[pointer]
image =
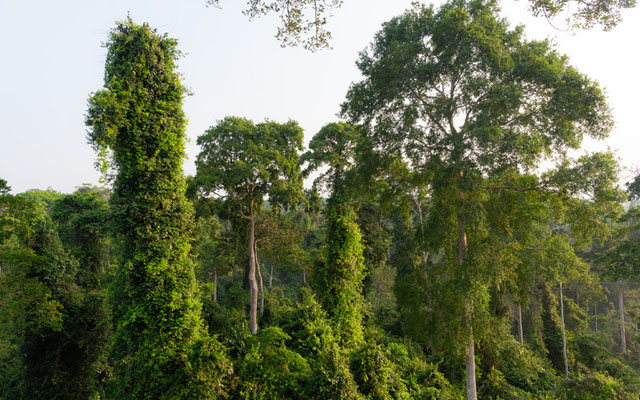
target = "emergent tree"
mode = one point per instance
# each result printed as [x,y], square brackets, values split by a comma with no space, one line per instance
[244,162]
[460,94]
[137,124]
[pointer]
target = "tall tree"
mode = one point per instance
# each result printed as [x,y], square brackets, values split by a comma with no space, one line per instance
[136,122]
[462,95]
[341,277]
[245,162]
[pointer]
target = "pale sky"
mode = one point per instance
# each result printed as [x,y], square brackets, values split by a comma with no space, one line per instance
[52,60]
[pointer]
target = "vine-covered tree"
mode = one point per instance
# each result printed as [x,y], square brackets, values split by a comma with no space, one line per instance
[462,95]
[341,277]
[160,350]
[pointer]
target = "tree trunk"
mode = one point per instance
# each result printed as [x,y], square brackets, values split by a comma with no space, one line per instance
[253,286]
[259,277]
[425,254]
[623,336]
[304,276]
[470,369]
[270,274]
[215,284]
[520,332]
[564,339]
[595,306]
[470,364]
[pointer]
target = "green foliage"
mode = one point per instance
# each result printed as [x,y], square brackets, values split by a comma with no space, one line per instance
[594,386]
[633,188]
[377,377]
[593,351]
[303,22]
[375,243]
[249,161]
[620,257]
[334,146]
[4,187]
[53,334]
[43,200]
[313,337]
[244,162]
[220,319]
[279,238]
[422,379]
[525,370]
[68,362]
[11,378]
[408,288]
[269,370]
[83,222]
[495,387]
[467,101]
[583,14]
[551,327]
[138,119]
[340,280]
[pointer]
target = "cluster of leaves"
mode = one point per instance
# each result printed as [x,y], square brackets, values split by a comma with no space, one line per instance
[302,21]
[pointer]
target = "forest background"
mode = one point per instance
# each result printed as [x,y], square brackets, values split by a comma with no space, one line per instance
[441,239]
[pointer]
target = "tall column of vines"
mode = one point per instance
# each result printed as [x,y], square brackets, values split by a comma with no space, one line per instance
[344,272]
[340,280]
[137,120]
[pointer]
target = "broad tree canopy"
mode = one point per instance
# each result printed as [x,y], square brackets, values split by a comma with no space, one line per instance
[248,161]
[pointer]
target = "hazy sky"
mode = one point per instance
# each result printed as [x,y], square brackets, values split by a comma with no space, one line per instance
[52,60]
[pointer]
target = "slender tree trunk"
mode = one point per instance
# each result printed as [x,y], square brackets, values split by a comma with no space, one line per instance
[425,254]
[470,364]
[215,284]
[623,336]
[564,339]
[253,286]
[270,274]
[470,369]
[520,332]
[595,306]
[304,276]
[259,277]
[470,361]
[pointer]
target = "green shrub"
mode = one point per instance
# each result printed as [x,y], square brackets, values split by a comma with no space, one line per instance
[595,386]
[313,337]
[377,377]
[423,380]
[270,370]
